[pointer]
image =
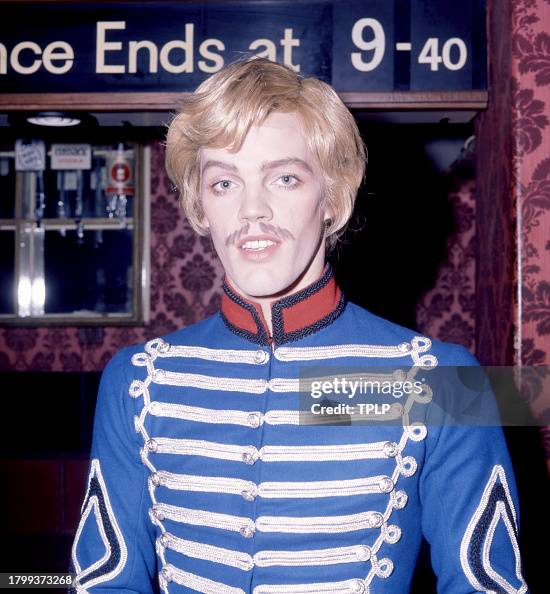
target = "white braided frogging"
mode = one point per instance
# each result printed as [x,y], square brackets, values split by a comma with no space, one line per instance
[413,349]
[404,465]
[282,524]
[245,561]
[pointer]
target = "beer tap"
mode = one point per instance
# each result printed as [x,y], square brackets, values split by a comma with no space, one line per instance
[98,199]
[61,212]
[79,207]
[40,198]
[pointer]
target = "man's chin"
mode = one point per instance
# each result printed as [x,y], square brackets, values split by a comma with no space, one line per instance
[262,285]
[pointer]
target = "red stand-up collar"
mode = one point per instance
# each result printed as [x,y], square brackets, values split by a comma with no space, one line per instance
[293,317]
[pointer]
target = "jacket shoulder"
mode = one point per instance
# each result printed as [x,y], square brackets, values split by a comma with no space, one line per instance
[204,333]
[369,327]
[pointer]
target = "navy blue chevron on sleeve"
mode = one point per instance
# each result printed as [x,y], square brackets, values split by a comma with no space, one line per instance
[495,509]
[99,524]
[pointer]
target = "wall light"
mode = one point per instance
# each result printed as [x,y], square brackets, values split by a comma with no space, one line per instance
[57,119]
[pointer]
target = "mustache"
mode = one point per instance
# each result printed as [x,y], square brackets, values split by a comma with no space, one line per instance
[279,232]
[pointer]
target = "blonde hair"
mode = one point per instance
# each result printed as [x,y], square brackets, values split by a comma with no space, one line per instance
[221,111]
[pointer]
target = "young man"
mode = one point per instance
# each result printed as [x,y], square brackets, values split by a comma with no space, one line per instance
[201,470]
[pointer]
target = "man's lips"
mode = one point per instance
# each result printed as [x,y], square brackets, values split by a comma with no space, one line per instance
[256,243]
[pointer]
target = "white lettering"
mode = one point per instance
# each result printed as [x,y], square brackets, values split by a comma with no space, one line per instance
[208,55]
[3,59]
[377,44]
[102,46]
[376,409]
[51,54]
[270,51]
[288,43]
[14,58]
[135,46]
[186,46]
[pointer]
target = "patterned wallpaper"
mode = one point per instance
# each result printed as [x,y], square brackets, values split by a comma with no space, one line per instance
[530,69]
[531,169]
[447,311]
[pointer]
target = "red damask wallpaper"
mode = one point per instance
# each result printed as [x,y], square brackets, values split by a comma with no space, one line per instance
[530,70]
[447,311]
[531,171]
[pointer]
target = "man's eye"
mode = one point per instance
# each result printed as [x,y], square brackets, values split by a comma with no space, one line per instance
[287,180]
[223,185]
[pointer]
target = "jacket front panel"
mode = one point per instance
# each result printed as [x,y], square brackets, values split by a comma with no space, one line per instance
[217,484]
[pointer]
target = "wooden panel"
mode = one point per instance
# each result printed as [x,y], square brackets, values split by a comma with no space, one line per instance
[167,101]
[495,210]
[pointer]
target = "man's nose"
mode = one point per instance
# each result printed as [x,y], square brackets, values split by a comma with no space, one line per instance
[254,206]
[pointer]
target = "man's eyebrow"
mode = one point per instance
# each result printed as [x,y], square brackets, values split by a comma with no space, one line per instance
[283,162]
[266,166]
[222,164]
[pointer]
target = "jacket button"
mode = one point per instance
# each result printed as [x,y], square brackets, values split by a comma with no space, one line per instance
[398,375]
[155,479]
[376,520]
[405,347]
[249,494]
[166,574]
[154,407]
[386,485]
[358,586]
[396,408]
[363,553]
[260,357]
[248,458]
[390,449]
[152,445]
[247,531]
[164,347]
[157,514]
[254,420]
[159,375]
[249,564]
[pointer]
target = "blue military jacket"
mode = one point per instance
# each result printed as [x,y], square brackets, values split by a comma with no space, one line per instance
[205,478]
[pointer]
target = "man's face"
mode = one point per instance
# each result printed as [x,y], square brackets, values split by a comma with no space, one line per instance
[263,207]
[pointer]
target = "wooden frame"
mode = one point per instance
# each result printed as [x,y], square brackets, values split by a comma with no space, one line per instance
[140,256]
[413,100]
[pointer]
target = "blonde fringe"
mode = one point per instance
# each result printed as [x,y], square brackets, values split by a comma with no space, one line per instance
[222,110]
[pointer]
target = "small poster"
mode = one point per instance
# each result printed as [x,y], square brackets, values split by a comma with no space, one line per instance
[120,173]
[71,156]
[30,155]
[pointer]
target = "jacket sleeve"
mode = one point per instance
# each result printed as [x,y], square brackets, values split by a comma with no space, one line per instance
[469,499]
[114,550]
